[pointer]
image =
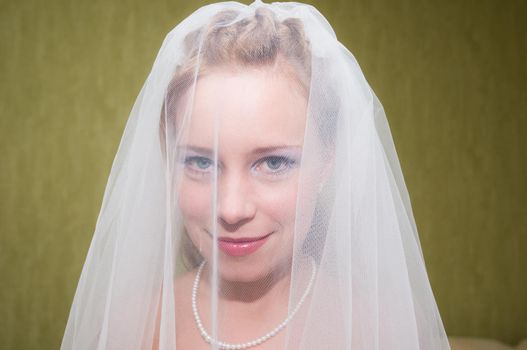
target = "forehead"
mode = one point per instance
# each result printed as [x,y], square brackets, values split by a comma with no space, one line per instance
[245,109]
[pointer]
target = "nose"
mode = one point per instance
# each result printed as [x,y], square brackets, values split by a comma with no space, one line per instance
[234,204]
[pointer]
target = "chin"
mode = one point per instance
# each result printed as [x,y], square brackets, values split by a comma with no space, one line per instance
[244,270]
[250,268]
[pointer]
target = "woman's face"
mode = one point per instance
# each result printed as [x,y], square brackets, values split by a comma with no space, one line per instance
[257,119]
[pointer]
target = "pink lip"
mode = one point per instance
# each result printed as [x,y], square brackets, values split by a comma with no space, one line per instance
[241,246]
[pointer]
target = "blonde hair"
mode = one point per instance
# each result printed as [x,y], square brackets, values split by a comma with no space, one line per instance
[257,41]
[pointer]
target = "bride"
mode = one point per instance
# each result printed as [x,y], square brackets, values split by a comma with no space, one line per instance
[256,201]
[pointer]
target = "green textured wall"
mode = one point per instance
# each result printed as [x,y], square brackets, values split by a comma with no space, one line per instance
[451,75]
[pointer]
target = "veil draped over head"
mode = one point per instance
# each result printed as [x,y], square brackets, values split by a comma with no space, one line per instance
[256,201]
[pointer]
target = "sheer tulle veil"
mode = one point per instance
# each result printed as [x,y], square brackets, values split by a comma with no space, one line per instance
[255,201]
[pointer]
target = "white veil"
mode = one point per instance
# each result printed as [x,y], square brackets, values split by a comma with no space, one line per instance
[218,232]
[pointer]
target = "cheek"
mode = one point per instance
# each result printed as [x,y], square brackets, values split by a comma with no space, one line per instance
[195,204]
[291,209]
[278,203]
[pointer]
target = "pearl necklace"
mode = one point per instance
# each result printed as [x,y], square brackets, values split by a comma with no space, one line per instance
[252,343]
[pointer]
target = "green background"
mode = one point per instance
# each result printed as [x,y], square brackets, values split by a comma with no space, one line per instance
[452,77]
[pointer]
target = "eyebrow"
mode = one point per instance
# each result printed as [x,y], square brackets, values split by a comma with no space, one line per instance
[256,151]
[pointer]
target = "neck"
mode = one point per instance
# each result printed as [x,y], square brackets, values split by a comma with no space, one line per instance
[271,287]
[267,297]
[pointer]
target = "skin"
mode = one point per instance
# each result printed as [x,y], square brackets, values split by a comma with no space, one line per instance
[259,117]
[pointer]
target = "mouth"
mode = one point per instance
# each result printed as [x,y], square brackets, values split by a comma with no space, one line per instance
[241,246]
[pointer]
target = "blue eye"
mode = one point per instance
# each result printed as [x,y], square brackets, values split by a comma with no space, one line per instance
[270,166]
[203,163]
[275,165]
[199,164]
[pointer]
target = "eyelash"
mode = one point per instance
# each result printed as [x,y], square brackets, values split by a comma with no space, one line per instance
[286,163]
